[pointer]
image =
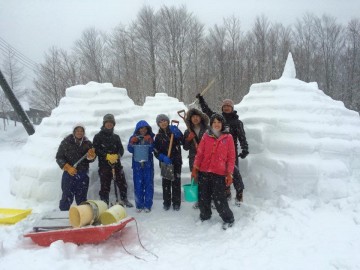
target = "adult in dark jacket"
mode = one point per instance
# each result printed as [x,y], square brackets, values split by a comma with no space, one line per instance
[109,149]
[236,129]
[197,123]
[171,189]
[143,171]
[75,179]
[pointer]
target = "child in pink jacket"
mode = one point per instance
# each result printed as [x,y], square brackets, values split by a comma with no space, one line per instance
[213,167]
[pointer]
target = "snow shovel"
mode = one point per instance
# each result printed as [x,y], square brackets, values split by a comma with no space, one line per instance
[202,93]
[81,159]
[182,114]
[115,187]
[167,170]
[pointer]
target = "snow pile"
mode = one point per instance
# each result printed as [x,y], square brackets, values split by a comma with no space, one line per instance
[37,176]
[303,144]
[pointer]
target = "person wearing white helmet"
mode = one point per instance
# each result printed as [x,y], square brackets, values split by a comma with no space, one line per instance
[75,178]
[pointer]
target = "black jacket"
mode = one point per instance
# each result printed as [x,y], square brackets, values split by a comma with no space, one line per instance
[70,152]
[204,123]
[106,142]
[236,127]
[162,143]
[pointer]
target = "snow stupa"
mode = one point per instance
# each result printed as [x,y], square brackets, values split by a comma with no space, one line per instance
[38,177]
[302,143]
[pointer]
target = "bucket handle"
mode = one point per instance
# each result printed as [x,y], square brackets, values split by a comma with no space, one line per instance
[192,181]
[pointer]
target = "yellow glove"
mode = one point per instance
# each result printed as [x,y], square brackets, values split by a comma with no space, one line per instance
[70,169]
[112,158]
[91,154]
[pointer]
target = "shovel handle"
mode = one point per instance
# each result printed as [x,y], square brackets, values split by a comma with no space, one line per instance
[207,87]
[170,145]
[175,121]
[182,114]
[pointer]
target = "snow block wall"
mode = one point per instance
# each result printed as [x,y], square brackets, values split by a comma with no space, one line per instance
[302,143]
[37,175]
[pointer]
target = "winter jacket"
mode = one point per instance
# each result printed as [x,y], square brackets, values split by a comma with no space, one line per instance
[106,142]
[130,146]
[189,145]
[235,126]
[162,142]
[215,155]
[71,151]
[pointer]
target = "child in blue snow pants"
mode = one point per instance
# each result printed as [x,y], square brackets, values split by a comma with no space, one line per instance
[143,170]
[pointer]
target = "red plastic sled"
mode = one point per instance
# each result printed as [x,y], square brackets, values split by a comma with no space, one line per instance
[85,235]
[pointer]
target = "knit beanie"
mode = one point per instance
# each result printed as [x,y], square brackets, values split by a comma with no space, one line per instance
[109,118]
[162,117]
[227,102]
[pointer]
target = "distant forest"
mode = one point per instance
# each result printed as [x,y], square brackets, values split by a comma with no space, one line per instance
[171,51]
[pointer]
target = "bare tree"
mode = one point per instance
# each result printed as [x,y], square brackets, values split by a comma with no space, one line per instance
[176,47]
[13,73]
[148,36]
[90,49]
[54,76]
[330,39]
[351,59]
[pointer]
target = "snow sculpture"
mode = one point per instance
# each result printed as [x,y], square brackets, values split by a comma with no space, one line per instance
[37,176]
[302,143]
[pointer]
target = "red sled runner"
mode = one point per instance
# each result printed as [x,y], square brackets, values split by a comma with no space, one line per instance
[84,235]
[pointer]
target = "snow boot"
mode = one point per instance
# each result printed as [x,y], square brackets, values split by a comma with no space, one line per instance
[239,198]
[125,202]
[227,225]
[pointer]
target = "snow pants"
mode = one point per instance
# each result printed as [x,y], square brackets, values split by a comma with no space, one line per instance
[73,186]
[106,177]
[143,177]
[212,186]
[172,189]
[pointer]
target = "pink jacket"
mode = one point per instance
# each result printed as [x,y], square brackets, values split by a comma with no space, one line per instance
[216,155]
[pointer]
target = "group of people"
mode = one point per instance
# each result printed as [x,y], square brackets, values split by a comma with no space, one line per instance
[211,139]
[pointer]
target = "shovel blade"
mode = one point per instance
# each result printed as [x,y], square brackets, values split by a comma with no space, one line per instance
[167,171]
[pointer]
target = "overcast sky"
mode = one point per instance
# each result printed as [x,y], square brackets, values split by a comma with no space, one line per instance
[33,26]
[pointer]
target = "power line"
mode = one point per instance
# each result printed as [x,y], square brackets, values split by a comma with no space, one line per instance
[20,53]
[18,57]
[24,60]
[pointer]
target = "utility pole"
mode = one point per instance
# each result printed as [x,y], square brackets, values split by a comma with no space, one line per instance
[16,105]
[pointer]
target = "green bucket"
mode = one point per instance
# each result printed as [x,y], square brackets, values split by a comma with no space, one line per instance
[191,192]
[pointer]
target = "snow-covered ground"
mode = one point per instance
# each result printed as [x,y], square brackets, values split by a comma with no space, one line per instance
[301,208]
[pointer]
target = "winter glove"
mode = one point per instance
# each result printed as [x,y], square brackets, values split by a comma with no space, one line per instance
[134,140]
[190,137]
[91,154]
[243,154]
[165,159]
[194,173]
[112,158]
[148,139]
[228,179]
[70,169]
[176,131]
[200,97]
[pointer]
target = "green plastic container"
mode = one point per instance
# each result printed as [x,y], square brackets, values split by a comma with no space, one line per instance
[191,192]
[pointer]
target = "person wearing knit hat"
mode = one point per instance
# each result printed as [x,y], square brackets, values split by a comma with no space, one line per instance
[162,117]
[171,188]
[109,149]
[75,178]
[109,118]
[236,128]
[227,105]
